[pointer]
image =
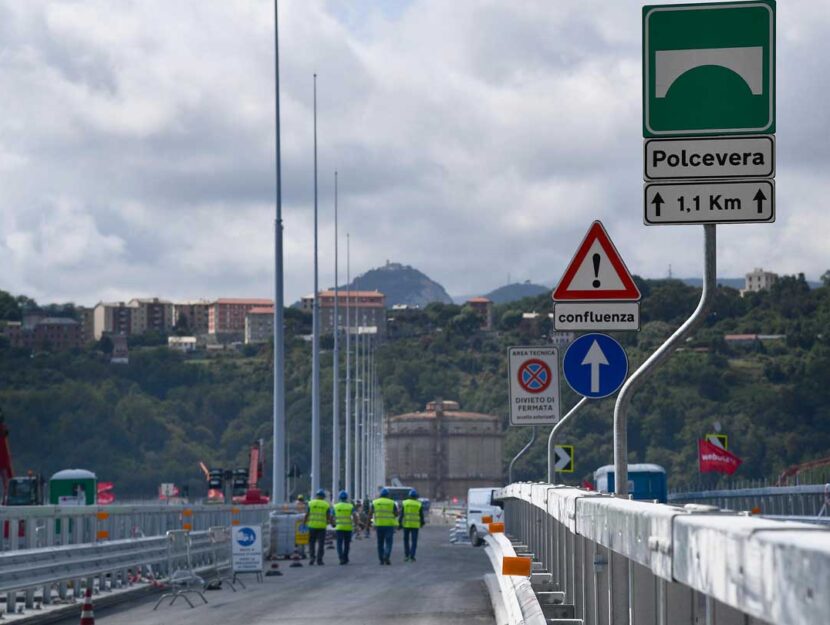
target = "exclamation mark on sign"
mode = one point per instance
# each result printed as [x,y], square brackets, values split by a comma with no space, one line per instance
[596,259]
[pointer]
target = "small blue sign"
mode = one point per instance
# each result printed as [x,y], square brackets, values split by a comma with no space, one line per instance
[595,365]
[245,536]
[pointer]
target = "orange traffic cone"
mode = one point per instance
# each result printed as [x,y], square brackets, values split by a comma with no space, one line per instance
[87,617]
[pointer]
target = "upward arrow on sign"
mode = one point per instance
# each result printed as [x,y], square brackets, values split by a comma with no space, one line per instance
[595,358]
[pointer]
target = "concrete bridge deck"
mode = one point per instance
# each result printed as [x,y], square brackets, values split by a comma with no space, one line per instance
[444,586]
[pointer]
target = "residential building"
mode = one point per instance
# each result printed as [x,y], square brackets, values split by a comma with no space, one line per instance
[112,318]
[259,324]
[759,280]
[561,339]
[366,308]
[226,316]
[86,318]
[192,315]
[150,314]
[484,309]
[48,334]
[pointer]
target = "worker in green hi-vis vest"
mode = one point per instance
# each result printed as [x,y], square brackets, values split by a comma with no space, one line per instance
[344,522]
[411,520]
[317,519]
[384,517]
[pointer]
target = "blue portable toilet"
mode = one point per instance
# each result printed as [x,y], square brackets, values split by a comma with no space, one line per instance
[645,481]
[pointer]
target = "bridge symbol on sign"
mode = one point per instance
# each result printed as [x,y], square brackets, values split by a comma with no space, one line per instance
[534,376]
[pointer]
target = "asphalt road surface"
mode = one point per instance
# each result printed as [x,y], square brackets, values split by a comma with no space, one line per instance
[444,586]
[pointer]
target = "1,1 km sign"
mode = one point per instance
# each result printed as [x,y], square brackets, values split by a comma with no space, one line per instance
[709,202]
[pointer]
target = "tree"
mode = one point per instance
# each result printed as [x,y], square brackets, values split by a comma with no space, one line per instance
[9,308]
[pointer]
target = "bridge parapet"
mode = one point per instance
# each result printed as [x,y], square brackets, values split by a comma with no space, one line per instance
[619,561]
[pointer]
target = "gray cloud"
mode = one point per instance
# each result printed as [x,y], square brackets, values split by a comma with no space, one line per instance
[473,138]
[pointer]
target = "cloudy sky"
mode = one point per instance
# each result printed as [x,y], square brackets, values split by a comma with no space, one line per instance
[474,139]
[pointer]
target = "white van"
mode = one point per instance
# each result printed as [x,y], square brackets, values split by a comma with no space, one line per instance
[480,504]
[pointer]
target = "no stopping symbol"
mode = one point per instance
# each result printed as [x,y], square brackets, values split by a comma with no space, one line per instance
[534,376]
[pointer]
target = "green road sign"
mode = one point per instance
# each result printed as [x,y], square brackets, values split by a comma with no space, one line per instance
[709,69]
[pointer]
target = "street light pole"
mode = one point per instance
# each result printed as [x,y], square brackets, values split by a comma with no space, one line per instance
[279,443]
[335,401]
[347,475]
[315,343]
[357,425]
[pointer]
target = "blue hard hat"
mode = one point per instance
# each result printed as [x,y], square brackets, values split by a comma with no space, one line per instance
[413,493]
[320,493]
[384,492]
[343,495]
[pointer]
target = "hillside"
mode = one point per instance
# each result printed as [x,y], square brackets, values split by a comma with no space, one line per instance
[516,291]
[154,419]
[402,284]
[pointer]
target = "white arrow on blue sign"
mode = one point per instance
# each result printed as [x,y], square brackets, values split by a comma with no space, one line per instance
[595,365]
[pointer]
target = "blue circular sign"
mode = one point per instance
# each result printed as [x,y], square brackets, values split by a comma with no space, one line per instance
[595,365]
[245,536]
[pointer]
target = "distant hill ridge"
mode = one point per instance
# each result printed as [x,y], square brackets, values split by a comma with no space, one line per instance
[402,285]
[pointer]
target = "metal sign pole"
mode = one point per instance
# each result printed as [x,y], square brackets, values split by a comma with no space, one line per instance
[658,357]
[552,445]
[521,453]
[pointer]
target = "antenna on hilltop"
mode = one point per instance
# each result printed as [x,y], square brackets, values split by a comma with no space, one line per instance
[669,271]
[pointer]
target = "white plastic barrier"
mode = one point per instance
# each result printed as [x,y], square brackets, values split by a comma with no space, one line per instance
[623,562]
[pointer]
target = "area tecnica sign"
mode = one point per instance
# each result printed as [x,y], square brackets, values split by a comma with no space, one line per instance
[709,69]
[534,385]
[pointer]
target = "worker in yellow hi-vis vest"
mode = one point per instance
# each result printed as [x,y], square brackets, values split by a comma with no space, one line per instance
[411,520]
[384,514]
[317,518]
[344,522]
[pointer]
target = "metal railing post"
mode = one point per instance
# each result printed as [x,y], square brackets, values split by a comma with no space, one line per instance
[658,357]
[522,451]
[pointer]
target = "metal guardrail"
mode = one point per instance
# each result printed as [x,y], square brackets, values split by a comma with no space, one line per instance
[806,500]
[30,527]
[621,562]
[56,571]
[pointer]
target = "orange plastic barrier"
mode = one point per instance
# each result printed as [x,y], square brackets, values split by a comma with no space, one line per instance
[496,528]
[487,519]
[515,566]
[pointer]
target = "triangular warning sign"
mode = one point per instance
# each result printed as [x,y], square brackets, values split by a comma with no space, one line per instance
[597,272]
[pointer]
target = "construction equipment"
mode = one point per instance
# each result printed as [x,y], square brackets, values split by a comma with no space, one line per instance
[22,490]
[215,484]
[253,495]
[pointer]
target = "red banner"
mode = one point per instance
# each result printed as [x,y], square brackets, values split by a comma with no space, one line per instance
[104,486]
[106,497]
[713,459]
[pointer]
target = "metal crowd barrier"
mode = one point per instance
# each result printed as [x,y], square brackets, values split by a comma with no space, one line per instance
[57,571]
[30,527]
[624,562]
